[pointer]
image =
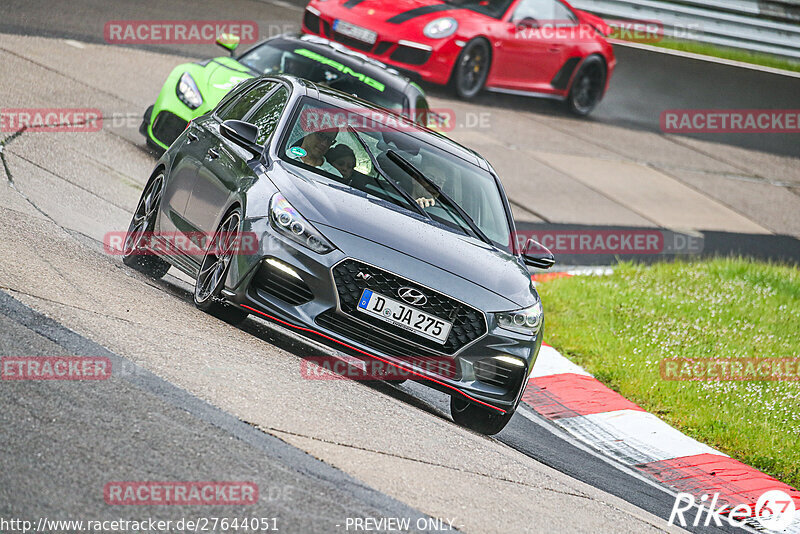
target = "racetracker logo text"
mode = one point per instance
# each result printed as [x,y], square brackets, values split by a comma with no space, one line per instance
[181,243]
[53,120]
[731,369]
[54,368]
[730,121]
[178,31]
[371,120]
[180,493]
[352,368]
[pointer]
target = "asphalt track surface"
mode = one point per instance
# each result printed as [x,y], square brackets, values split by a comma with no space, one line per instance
[163,422]
[644,85]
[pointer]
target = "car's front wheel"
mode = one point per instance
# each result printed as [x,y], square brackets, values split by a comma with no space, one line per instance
[472,69]
[214,269]
[478,418]
[588,86]
[135,252]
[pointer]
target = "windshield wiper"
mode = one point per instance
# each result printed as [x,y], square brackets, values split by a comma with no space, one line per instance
[386,176]
[407,166]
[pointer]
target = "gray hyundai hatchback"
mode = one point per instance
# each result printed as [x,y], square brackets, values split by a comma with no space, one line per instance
[356,227]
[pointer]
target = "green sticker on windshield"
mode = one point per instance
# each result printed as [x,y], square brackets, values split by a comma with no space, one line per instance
[297,151]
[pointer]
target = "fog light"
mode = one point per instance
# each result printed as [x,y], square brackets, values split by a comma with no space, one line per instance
[283,267]
[510,360]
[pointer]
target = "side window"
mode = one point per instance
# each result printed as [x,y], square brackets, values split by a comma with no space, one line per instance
[267,115]
[421,111]
[550,12]
[239,108]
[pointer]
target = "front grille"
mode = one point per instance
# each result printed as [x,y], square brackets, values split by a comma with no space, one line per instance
[352,43]
[410,55]
[167,127]
[397,348]
[311,21]
[383,47]
[497,373]
[282,285]
[326,28]
[468,323]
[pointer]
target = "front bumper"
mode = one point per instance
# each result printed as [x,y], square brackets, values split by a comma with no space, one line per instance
[426,59]
[310,303]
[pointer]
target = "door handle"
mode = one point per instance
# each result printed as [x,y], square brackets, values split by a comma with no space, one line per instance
[212,153]
[192,137]
[555,49]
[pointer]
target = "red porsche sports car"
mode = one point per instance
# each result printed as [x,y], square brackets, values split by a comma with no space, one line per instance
[532,47]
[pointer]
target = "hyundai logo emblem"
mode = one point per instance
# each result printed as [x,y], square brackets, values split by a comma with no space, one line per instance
[412,296]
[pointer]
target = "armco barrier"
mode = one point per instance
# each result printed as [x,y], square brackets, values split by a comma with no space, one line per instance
[767,26]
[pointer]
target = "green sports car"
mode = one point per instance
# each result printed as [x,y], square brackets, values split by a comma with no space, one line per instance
[193,89]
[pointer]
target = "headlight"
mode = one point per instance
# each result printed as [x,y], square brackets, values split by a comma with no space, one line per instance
[440,28]
[527,321]
[188,92]
[288,222]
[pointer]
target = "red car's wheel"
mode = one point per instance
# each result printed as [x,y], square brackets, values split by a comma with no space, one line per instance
[472,68]
[588,86]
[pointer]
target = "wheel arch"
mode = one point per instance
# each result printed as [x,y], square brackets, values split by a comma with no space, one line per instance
[479,37]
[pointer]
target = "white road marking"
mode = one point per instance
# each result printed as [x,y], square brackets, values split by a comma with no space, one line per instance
[75,44]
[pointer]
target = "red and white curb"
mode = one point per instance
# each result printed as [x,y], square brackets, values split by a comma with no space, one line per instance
[573,400]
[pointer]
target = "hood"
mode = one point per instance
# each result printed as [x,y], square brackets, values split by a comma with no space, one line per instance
[339,207]
[222,75]
[405,11]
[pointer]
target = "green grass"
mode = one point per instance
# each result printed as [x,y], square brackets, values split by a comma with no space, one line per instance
[735,54]
[619,327]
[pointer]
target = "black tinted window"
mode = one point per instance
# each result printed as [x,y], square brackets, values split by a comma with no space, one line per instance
[268,114]
[239,108]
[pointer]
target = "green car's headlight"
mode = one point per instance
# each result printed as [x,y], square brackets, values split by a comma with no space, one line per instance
[188,92]
[440,28]
[527,321]
[286,220]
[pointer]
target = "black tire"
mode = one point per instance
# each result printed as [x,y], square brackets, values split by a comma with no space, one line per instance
[213,270]
[477,418]
[135,253]
[587,87]
[471,69]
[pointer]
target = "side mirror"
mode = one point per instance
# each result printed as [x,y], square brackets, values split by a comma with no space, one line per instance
[537,255]
[242,133]
[228,41]
[527,23]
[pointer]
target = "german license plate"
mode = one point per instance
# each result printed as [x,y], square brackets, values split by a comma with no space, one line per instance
[404,316]
[356,32]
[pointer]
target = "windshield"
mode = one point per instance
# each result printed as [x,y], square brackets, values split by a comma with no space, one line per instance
[285,57]
[360,149]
